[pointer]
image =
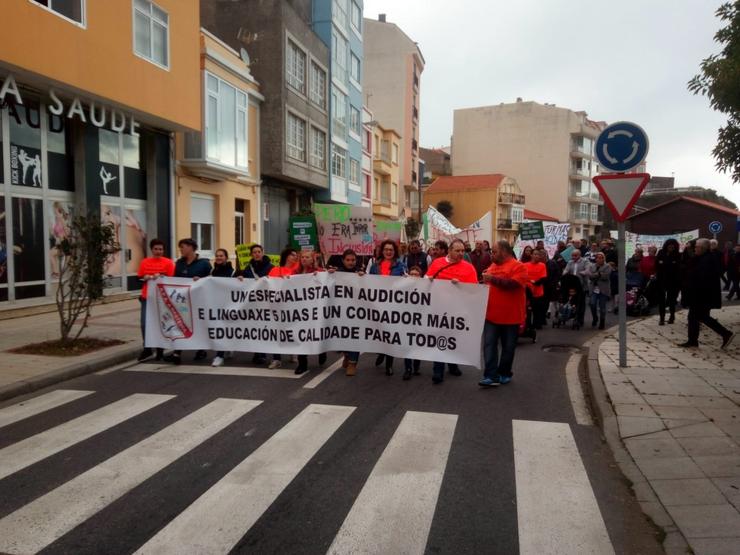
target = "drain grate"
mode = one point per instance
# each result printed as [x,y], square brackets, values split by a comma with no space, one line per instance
[562,348]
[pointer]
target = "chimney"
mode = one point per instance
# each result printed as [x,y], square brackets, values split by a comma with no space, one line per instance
[381,17]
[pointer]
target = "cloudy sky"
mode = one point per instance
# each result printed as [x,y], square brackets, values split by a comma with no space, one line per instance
[627,60]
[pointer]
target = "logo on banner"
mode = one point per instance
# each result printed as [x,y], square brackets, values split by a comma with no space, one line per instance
[175,311]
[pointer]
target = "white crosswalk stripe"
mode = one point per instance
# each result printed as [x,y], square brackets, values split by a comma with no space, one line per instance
[556,508]
[35,448]
[37,405]
[216,521]
[39,523]
[393,513]
[286,373]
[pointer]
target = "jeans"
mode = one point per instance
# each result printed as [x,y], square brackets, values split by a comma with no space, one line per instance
[493,334]
[700,315]
[438,369]
[410,363]
[353,357]
[667,295]
[598,300]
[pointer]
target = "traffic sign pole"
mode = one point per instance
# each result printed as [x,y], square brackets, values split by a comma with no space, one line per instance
[622,301]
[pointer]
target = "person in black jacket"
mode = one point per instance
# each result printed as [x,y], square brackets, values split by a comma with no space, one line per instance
[733,272]
[259,265]
[416,257]
[349,264]
[221,268]
[703,293]
[668,279]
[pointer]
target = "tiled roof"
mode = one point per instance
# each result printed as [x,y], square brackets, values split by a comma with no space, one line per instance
[698,201]
[532,215]
[449,183]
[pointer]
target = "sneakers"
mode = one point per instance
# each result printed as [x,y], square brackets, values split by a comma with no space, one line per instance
[487,382]
[454,370]
[301,369]
[200,355]
[689,344]
[727,340]
[259,359]
[274,364]
[218,361]
[661,322]
[174,358]
[145,354]
[406,374]
[503,380]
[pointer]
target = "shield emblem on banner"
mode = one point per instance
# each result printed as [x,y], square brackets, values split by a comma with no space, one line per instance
[175,311]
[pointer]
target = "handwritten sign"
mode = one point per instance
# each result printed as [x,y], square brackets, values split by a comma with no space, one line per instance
[342,227]
[386,229]
[437,227]
[554,232]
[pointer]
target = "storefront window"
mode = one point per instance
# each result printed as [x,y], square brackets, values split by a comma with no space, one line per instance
[3,253]
[60,218]
[2,155]
[25,145]
[59,156]
[28,247]
[111,215]
[109,183]
[134,178]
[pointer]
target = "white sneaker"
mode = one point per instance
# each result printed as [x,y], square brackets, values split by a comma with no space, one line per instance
[274,364]
[218,361]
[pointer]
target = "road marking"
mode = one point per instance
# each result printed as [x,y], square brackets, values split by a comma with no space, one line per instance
[393,512]
[35,448]
[325,374]
[218,519]
[219,371]
[575,392]
[37,405]
[41,522]
[556,507]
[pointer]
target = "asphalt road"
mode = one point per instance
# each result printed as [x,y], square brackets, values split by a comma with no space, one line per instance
[348,465]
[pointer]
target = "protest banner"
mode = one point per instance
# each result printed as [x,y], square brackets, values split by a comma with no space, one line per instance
[303,236]
[387,229]
[436,227]
[554,232]
[309,314]
[529,231]
[633,240]
[342,227]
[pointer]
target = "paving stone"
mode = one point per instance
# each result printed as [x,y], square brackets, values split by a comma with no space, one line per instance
[669,468]
[718,466]
[641,409]
[683,413]
[657,513]
[644,491]
[730,488]
[668,400]
[653,448]
[706,521]
[695,491]
[630,426]
[715,546]
[705,446]
[732,429]
[699,430]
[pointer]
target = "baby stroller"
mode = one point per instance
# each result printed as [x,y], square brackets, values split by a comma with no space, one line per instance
[526,328]
[637,302]
[570,303]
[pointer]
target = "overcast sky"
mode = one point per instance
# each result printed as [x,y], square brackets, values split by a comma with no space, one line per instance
[627,60]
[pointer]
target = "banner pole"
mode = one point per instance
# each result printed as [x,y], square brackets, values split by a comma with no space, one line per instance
[622,298]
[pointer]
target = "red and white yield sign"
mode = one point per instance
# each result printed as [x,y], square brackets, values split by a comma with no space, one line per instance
[620,191]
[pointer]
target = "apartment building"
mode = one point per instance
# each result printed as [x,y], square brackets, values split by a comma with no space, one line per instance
[339,24]
[549,151]
[393,68]
[217,178]
[386,150]
[91,94]
[366,181]
[291,63]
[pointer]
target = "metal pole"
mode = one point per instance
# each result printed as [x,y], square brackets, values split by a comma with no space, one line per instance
[622,299]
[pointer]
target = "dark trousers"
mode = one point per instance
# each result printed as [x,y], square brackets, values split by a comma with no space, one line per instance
[539,310]
[700,315]
[735,289]
[493,334]
[142,320]
[667,296]
[411,364]
[438,369]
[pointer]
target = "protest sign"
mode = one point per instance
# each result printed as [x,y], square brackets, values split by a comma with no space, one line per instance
[633,240]
[342,227]
[387,229]
[309,314]
[244,256]
[303,235]
[554,232]
[436,227]
[529,231]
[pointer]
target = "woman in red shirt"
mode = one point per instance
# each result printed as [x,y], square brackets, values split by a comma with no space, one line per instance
[150,268]
[307,265]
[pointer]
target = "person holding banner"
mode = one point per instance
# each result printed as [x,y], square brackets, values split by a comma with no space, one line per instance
[456,269]
[221,268]
[507,279]
[154,267]
[288,261]
[259,265]
[387,264]
[349,265]
[307,265]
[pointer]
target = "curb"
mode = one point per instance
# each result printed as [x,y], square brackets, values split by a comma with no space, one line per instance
[674,541]
[69,371]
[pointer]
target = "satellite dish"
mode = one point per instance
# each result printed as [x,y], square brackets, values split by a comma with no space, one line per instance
[244,55]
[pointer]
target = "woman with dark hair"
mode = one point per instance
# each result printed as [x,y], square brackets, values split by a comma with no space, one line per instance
[288,260]
[668,279]
[259,265]
[526,254]
[221,268]
[307,265]
[387,264]
[348,264]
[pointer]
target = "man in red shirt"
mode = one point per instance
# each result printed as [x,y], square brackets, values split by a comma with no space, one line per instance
[537,271]
[454,268]
[154,267]
[508,279]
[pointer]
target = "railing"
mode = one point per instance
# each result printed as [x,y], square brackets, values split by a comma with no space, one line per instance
[505,224]
[414,145]
[510,198]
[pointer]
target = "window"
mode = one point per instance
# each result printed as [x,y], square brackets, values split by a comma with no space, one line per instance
[226,123]
[354,171]
[338,161]
[318,149]
[517,215]
[367,143]
[151,32]
[296,138]
[376,189]
[385,192]
[368,187]
[339,12]
[356,16]
[339,113]
[74,10]
[354,67]
[296,67]
[394,198]
[239,221]
[594,212]
[355,124]
[385,146]
[318,86]
[202,218]
[395,153]
[339,57]
[583,212]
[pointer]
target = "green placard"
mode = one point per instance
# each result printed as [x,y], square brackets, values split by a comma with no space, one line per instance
[529,231]
[303,235]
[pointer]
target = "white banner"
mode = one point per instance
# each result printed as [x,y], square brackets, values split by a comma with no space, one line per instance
[306,314]
[554,232]
[633,240]
[436,227]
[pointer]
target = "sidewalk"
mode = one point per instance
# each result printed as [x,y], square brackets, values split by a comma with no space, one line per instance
[678,415]
[23,373]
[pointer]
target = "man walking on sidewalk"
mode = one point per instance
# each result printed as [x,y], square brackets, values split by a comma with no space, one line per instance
[703,293]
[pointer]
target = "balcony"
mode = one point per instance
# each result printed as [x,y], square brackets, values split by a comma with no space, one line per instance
[414,145]
[382,165]
[510,198]
[505,224]
[415,113]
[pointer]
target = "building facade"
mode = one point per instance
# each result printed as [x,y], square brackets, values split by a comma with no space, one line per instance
[437,162]
[291,64]
[80,134]
[547,149]
[386,173]
[217,191]
[366,182]
[392,86]
[472,196]
[339,24]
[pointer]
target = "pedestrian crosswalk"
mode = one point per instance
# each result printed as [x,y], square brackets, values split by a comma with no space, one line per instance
[393,512]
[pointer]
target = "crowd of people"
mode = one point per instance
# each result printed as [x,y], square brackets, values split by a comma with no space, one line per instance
[523,291]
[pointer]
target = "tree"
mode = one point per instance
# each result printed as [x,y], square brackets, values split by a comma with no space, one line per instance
[719,81]
[445,208]
[83,255]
